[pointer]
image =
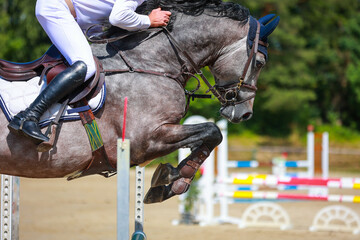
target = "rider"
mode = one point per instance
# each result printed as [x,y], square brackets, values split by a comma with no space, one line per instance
[65,21]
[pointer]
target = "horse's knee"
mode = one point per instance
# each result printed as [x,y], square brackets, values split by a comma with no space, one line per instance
[213,135]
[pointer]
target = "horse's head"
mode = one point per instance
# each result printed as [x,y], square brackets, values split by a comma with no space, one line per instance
[238,67]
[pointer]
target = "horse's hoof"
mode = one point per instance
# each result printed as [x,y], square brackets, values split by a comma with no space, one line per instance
[164,174]
[158,194]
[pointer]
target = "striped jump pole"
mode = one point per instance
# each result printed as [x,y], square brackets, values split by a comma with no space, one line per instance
[277,195]
[243,164]
[294,164]
[271,180]
[255,164]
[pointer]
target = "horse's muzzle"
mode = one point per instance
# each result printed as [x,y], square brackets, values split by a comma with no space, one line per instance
[235,114]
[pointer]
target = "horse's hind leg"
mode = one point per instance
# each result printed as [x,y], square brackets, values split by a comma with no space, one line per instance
[169,181]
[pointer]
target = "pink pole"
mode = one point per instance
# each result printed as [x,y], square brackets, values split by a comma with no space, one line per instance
[302,197]
[124,121]
[308,181]
[279,195]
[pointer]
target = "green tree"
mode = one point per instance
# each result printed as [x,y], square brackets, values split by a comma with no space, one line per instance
[21,36]
[312,73]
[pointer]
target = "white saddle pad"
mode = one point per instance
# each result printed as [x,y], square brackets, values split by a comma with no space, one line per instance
[17,96]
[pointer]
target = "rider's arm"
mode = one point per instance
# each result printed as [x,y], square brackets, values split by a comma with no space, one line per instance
[123,15]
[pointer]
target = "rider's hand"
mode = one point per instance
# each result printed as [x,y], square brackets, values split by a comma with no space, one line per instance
[159,18]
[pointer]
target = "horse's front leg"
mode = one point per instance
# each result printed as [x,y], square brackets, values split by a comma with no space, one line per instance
[168,181]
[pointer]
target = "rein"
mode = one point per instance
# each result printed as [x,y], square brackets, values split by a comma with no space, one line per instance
[227,95]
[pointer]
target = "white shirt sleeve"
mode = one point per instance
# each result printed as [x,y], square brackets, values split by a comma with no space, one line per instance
[123,15]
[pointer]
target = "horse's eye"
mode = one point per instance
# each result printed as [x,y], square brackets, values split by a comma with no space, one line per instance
[259,63]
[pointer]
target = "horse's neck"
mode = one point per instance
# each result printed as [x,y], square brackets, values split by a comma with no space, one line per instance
[205,36]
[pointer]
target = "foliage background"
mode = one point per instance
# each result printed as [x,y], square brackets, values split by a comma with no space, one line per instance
[311,76]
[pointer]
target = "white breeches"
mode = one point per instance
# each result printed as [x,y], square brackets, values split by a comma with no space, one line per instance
[65,33]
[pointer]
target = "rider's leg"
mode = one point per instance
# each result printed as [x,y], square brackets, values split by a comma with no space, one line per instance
[65,33]
[64,83]
[61,27]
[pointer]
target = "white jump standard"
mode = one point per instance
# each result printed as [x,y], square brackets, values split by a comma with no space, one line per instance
[123,190]
[123,195]
[226,189]
[10,199]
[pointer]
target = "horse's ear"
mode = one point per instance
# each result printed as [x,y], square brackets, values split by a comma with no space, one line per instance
[264,20]
[269,28]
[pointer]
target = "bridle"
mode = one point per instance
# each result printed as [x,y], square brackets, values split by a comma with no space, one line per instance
[228,94]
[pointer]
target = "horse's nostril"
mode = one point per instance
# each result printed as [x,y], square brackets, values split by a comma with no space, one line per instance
[247,116]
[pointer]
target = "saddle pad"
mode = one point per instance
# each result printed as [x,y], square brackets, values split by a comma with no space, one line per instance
[17,96]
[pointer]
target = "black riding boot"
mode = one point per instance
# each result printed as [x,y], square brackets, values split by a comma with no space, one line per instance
[27,121]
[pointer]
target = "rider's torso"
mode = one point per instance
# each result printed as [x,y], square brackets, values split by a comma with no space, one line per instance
[90,12]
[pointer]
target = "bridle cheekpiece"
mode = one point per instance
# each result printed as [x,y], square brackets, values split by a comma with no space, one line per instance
[230,92]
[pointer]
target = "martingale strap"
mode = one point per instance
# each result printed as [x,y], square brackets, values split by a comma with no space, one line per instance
[99,163]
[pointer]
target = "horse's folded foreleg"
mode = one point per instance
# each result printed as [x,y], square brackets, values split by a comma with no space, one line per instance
[167,180]
[161,193]
[166,174]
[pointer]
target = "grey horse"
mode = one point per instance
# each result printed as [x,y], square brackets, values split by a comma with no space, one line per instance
[214,34]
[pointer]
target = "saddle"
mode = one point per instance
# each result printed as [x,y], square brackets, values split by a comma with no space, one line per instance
[49,65]
[44,65]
